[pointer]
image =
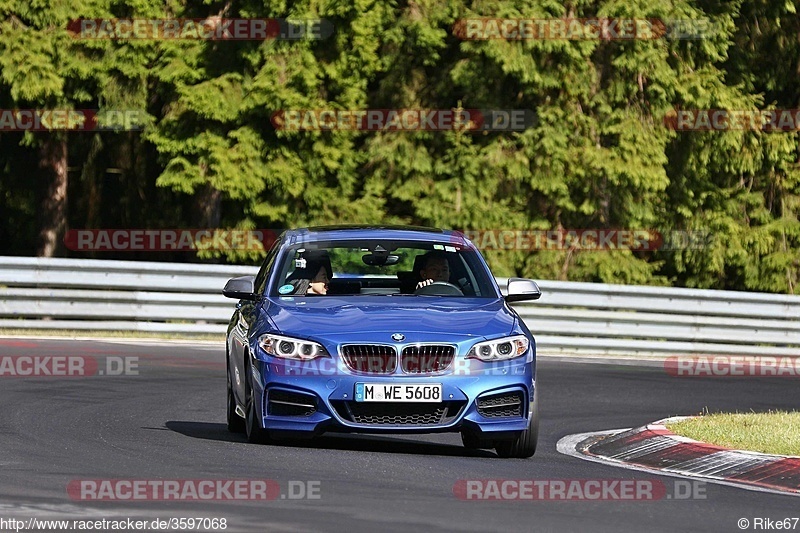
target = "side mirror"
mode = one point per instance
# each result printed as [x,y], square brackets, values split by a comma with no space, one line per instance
[242,288]
[520,289]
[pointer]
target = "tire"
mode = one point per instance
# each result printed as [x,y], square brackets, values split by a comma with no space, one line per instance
[255,433]
[524,445]
[236,423]
[470,440]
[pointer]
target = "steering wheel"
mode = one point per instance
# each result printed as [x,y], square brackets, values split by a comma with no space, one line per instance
[439,288]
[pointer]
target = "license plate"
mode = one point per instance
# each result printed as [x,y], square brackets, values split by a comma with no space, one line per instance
[387,392]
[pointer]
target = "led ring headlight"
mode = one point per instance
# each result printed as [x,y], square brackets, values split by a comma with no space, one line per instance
[290,348]
[500,349]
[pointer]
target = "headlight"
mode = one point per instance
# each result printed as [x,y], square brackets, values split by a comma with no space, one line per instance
[500,349]
[289,348]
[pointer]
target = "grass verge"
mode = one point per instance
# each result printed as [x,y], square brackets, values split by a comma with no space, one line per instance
[775,432]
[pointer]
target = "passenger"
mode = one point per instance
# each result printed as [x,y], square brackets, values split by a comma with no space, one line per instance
[314,277]
[435,267]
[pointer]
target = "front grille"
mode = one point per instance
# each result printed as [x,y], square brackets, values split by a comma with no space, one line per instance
[370,358]
[427,358]
[285,403]
[509,404]
[399,413]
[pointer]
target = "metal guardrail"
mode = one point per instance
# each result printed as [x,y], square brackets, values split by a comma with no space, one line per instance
[601,318]
[81,295]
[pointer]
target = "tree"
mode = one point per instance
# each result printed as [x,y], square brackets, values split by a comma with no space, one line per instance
[45,67]
[598,156]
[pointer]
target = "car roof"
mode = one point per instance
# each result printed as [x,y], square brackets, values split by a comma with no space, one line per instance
[378,231]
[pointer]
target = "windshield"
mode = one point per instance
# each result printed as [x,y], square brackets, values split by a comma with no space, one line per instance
[382,267]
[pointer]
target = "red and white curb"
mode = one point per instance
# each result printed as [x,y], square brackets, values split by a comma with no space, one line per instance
[653,448]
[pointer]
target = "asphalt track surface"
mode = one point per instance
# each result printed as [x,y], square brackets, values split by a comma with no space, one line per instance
[168,422]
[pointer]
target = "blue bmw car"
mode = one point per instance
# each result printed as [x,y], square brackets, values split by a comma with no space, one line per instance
[381,329]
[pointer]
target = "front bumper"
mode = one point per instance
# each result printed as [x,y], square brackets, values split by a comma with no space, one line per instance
[310,398]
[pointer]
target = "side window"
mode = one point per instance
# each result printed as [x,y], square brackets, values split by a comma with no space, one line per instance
[263,273]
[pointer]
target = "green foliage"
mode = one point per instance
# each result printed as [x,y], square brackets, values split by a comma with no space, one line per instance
[599,155]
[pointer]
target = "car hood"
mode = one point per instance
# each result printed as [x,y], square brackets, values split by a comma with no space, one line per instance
[378,317]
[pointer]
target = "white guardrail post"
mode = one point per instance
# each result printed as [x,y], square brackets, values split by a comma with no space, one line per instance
[570,318]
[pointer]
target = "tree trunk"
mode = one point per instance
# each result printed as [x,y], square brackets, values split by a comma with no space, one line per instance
[53,207]
[208,204]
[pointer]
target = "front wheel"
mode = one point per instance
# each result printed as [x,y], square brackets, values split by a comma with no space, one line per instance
[255,433]
[524,445]
[236,423]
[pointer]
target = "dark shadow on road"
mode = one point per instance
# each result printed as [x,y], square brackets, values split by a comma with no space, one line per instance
[350,442]
[204,430]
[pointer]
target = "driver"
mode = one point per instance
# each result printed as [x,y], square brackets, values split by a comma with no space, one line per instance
[435,267]
[314,276]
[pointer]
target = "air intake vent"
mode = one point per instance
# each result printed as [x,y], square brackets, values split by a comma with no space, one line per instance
[506,405]
[285,403]
[399,414]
